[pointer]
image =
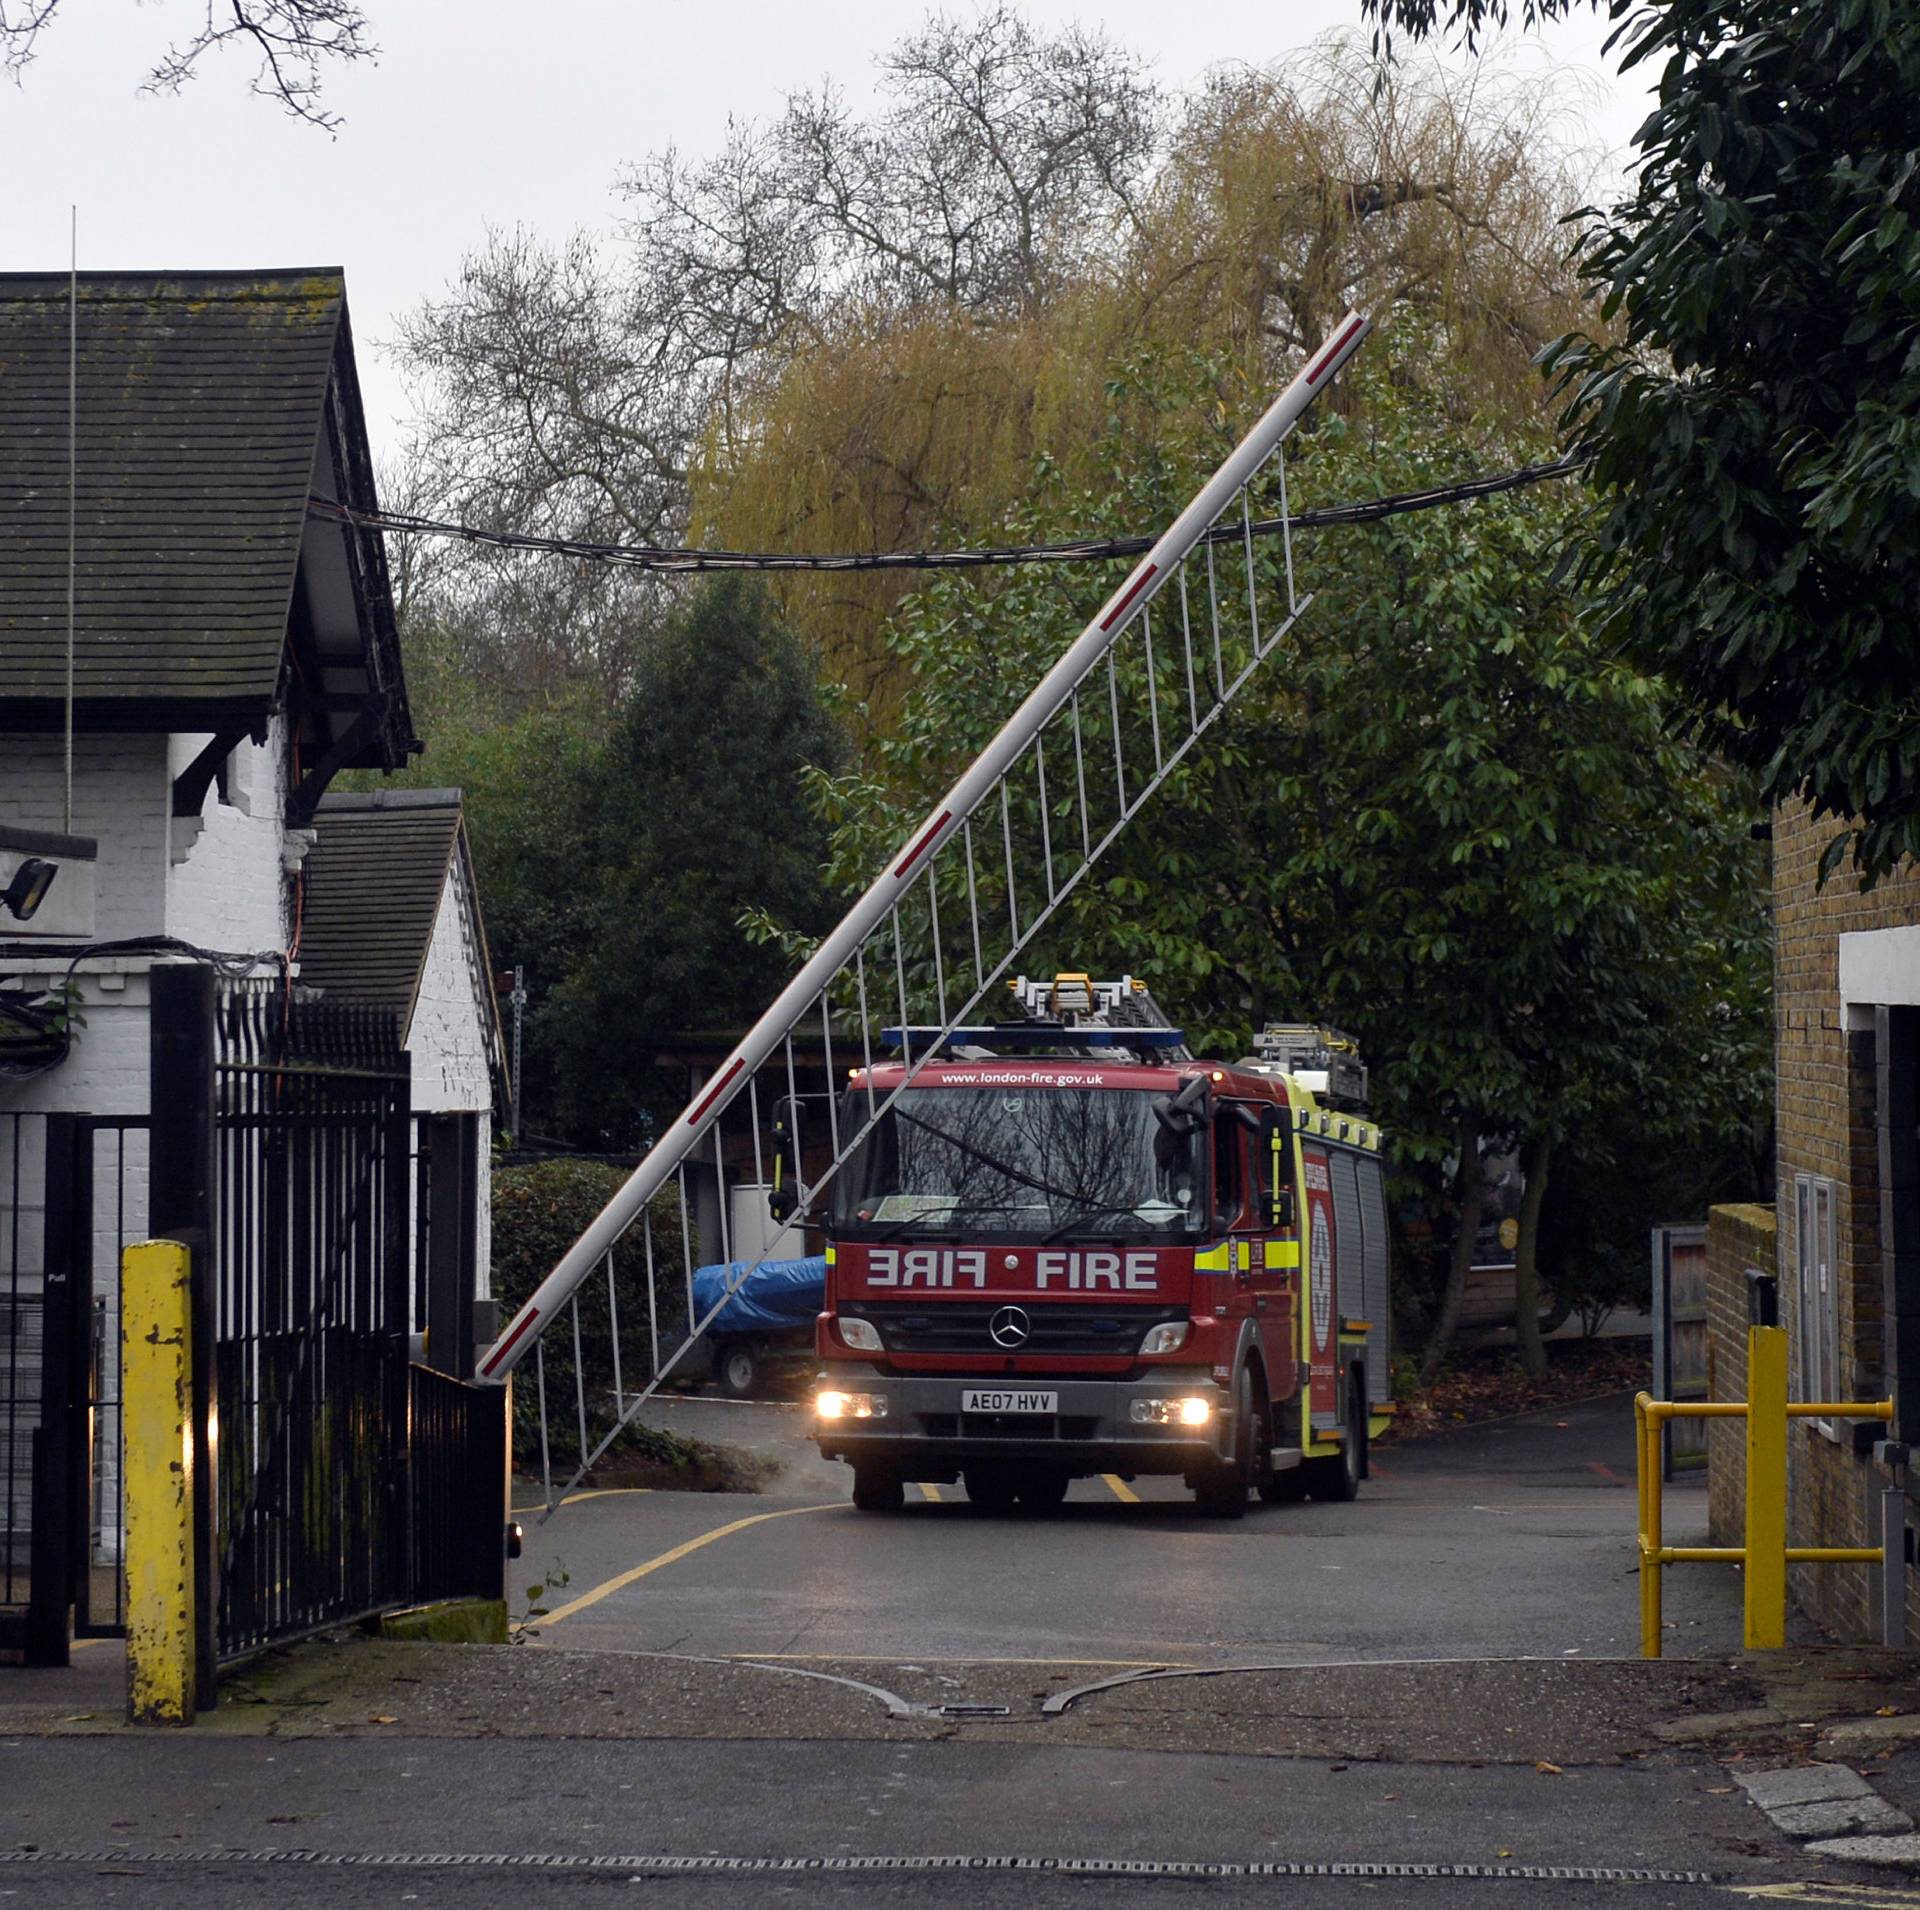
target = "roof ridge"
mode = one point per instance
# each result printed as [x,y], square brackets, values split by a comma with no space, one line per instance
[338,802]
[238,278]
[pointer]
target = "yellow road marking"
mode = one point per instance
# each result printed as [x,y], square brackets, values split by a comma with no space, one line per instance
[932,1492]
[1863,1896]
[639,1572]
[597,1492]
[87,1644]
[920,1658]
[1120,1489]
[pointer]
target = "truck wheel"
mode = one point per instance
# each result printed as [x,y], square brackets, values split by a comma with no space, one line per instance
[878,1489]
[1222,1489]
[1338,1478]
[739,1369]
[992,1488]
[1042,1488]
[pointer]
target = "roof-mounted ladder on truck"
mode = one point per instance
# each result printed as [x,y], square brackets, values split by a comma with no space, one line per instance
[941,926]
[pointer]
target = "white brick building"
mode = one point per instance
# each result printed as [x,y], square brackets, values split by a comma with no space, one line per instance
[167,741]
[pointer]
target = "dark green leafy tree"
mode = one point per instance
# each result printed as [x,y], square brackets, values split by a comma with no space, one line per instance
[691,811]
[1753,416]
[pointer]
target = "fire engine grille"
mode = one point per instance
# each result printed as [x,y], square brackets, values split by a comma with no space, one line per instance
[1062,1327]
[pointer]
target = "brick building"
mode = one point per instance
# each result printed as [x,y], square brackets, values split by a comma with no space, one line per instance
[1845,1238]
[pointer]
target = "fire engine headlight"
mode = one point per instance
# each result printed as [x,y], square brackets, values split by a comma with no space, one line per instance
[1169,1337]
[861,1335]
[1191,1411]
[837,1405]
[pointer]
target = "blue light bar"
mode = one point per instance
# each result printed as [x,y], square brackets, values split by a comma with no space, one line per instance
[1033,1036]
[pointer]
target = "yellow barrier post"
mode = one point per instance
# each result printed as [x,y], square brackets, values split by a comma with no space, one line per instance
[1643,1425]
[156,1346]
[1766,1564]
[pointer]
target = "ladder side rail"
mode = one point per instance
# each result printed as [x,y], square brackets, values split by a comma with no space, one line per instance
[1098,640]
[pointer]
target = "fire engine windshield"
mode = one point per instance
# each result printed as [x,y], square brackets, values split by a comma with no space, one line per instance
[1024,1163]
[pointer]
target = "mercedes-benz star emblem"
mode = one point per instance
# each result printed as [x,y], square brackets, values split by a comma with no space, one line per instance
[1009,1327]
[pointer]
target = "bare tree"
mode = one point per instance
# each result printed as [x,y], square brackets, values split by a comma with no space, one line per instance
[573,388]
[295,41]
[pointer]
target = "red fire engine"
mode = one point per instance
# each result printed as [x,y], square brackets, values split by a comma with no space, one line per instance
[1067,1247]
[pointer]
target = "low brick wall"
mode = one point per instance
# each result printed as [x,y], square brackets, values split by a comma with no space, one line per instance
[1737,1238]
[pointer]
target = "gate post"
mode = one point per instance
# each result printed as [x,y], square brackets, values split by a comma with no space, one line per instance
[453,1192]
[180,1208]
[59,1479]
[1766,1562]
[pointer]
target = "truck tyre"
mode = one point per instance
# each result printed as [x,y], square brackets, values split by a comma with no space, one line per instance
[738,1366]
[1339,1478]
[1222,1489]
[878,1489]
[991,1487]
[1042,1488]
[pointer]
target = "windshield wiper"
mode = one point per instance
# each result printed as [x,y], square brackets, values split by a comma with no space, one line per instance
[1018,1176]
[1090,1213]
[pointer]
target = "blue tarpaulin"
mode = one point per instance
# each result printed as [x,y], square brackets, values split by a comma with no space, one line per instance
[776,1295]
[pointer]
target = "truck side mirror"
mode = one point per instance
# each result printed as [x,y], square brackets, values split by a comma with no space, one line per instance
[1191,1108]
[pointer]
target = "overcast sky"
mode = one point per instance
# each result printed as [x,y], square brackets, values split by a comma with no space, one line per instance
[474,115]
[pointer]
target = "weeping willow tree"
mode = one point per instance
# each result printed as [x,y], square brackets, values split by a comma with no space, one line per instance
[1280,197]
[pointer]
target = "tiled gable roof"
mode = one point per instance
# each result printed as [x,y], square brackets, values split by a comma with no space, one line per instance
[200,400]
[374,879]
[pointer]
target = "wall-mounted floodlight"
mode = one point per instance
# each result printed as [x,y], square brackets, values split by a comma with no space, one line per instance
[28,889]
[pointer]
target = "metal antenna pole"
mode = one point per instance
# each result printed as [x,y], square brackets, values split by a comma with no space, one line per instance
[73,474]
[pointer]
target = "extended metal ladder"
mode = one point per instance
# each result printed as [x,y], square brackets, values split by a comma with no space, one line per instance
[945,921]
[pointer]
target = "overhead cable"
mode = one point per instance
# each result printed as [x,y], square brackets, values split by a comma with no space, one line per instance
[671,557]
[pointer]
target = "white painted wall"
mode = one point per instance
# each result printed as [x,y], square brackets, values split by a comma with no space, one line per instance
[448,1044]
[227,887]
[1881,965]
[120,796]
[448,1038]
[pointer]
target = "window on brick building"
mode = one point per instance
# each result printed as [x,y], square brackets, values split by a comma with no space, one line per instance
[1817,1290]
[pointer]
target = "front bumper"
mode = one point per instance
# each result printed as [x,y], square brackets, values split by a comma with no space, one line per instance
[1093,1430]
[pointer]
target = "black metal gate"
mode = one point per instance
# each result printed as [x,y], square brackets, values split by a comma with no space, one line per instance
[337,1478]
[312,1223]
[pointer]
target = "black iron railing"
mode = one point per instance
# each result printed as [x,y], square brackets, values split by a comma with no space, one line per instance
[459,1448]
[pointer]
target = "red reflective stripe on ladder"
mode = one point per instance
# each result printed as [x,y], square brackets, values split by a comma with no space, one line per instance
[713,1093]
[507,1345]
[914,854]
[1133,590]
[1332,352]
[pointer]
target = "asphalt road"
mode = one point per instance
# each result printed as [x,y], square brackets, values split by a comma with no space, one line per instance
[551,1777]
[1509,1540]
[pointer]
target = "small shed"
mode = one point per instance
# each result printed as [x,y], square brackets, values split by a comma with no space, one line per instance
[392,917]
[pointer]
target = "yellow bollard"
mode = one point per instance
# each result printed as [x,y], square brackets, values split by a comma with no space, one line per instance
[1766,1564]
[1646,1433]
[156,1349]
